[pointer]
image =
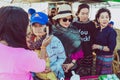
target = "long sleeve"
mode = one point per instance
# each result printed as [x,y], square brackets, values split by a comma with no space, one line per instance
[106,37]
[112,40]
[57,56]
[34,64]
[61,57]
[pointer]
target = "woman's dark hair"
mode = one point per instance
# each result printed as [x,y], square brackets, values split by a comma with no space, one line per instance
[81,6]
[13,26]
[101,10]
[50,27]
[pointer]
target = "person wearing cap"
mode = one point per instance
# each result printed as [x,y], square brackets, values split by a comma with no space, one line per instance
[111,24]
[16,60]
[48,45]
[69,37]
[87,31]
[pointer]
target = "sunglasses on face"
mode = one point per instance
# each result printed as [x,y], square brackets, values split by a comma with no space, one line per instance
[52,12]
[65,20]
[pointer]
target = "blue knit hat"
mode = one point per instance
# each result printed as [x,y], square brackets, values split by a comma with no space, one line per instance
[31,11]
[39,17]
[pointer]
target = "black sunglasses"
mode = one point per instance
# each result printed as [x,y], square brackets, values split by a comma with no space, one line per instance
[65,20]
[52,11]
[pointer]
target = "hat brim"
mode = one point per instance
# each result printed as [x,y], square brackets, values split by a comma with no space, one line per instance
[42,22]
[61,16]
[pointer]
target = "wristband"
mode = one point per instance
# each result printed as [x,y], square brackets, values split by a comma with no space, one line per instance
[101,47]
[73,63]
[43,47]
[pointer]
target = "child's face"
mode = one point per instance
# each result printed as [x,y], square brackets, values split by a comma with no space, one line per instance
[38,29]
[104,19]
[84,14]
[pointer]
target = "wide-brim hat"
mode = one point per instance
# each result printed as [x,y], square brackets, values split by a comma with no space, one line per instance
[39,17]
[64,10]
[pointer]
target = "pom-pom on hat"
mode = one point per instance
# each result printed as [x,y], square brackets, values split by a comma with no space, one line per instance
[31,11]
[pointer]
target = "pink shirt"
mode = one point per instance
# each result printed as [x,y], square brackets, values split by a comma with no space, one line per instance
[17,63]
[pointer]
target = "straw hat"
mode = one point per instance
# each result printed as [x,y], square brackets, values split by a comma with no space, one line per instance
[63,11]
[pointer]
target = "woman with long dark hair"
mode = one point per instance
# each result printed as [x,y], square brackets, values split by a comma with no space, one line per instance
[16,61]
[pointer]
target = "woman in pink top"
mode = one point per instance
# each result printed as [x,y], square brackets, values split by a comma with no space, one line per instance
[16,61]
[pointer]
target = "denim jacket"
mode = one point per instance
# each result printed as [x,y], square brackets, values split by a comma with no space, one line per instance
[57,56]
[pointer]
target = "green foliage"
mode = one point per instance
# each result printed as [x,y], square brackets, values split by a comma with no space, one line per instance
[113,0]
